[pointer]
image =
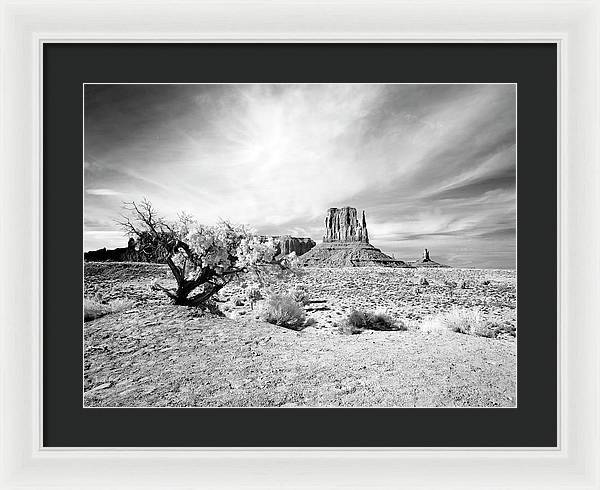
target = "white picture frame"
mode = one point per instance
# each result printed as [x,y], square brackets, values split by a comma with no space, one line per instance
[573,25]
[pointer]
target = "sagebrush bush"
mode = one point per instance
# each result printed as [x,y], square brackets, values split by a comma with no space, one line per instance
[253,294]
[465,321]
[346,328]
[300,295]
[93,309]
[360,320]
[283,310]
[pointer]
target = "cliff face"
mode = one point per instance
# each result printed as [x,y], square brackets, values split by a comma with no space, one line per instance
[343,225]
[287,244]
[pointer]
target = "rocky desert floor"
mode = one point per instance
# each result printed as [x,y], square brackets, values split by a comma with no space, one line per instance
[155,354]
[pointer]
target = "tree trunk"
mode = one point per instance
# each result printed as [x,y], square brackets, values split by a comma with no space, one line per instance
[184,288]
[201,298]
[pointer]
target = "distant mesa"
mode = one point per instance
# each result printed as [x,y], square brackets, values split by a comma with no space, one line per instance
[426,261]
[286,244]
[346,243]
[123,254]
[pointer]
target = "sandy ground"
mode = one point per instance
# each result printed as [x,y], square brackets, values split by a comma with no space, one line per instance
[154,354]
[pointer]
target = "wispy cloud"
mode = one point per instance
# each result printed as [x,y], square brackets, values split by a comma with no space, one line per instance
[431,164]
[102,192]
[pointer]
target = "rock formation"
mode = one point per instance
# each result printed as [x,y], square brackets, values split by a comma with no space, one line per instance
[286,244]
[346,243]
[342,225]
[426,261]
[123,254]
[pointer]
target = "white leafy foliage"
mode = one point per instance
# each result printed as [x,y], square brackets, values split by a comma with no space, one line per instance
[253,250]
[224,246]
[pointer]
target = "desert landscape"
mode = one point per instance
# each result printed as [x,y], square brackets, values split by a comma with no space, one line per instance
[451,342]
[299,245]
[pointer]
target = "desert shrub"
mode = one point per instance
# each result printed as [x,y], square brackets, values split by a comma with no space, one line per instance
[505,330]
[346,328]
[383,321]
[309,322]
[300,295]
[357,319]
[464,284]
[360,320]
[462,320]
[486,282]
[93,309]
[469,322]
[423,281]
[283,310]
[483,329]
[253,294]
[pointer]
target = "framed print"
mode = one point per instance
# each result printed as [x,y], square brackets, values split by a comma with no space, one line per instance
[281,281]
[326,257]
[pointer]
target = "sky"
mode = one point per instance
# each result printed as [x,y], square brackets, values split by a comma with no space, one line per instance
[433,166]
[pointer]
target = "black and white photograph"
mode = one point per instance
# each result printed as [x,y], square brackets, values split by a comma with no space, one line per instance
[299,245]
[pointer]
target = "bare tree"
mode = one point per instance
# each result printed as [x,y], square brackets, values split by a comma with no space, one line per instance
[202,259]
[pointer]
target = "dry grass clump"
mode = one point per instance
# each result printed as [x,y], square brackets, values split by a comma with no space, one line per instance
[359,321]
[283,310]
[346,328]
[93,308]
[253,294]
[300,295]
[465,321]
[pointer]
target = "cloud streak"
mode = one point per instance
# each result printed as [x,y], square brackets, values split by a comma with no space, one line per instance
[433,165]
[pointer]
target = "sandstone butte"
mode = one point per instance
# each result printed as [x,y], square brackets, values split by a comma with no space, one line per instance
[346,243]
